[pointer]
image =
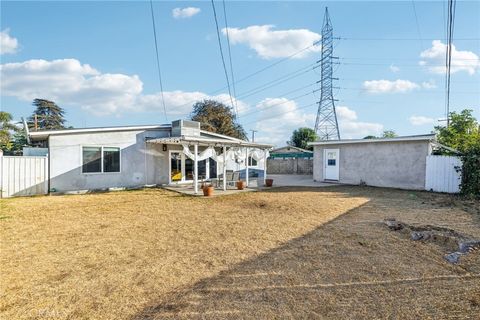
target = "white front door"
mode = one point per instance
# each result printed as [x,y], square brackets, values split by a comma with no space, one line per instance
[331,159]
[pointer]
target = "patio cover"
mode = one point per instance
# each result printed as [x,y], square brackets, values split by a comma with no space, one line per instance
[196,141]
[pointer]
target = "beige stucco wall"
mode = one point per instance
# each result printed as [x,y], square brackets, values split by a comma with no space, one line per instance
[399,164]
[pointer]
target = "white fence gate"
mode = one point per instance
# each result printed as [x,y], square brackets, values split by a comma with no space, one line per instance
[23,176]
[441,175]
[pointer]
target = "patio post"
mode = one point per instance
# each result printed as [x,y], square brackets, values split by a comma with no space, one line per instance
[195,168]
[246,166]
[264,167]
[224,168]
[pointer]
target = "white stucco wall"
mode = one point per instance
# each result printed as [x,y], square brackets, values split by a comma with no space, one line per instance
[140,163]
[137,166]
[399,164]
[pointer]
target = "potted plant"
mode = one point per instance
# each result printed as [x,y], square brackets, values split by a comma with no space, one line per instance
[207,190]
[241,184]
[268,182]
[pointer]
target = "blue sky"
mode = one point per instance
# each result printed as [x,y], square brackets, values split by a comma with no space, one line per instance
[97,60]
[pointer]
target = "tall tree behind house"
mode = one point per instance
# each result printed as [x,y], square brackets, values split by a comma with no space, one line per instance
[47,116]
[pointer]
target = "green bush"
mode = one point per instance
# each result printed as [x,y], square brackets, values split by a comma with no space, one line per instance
[470,185]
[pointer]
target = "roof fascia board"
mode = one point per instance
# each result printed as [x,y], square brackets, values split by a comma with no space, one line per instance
[356,141]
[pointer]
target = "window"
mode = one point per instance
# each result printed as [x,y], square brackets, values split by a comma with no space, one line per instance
[92,159]
[332,162]
[100,159]
[252,162]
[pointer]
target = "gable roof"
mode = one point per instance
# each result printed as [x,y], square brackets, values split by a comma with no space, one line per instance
[422,137]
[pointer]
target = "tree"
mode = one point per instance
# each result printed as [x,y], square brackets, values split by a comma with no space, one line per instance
[385,134]
[462,133]
[6,129]
[48,114]
[389,134]
[216,117]
[301,137]
[19,140]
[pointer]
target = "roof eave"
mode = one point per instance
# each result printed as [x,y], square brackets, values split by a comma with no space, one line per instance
[430,137]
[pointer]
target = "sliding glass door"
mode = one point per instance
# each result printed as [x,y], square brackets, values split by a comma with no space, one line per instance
[182,168]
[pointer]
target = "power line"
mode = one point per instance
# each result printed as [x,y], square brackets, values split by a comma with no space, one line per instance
[265,86]
[418,25]
[230,55]
[282,113]
[448,55]
[401,39]
[281,103]
[223,58]
[158,62]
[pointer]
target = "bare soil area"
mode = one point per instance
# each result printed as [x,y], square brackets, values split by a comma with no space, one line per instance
[284,253]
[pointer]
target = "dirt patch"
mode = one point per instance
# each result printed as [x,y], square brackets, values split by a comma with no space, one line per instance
[285,253]
[457,244]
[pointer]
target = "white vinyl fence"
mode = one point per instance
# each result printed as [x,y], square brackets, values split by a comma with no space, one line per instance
[441,175]
[23,176]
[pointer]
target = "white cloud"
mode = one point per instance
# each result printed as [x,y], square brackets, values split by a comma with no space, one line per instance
[278,118]
[8,44]
[179,13]
[434,59]
[70,83]
[351,128]
[429,84]
[387,86]
[271,44]
[394,68]
[420,120]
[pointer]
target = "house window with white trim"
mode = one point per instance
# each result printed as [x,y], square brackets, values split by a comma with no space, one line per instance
[252,162]
[100,159]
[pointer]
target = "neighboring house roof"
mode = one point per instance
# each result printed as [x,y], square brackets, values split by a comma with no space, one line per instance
[288,149]
[423,137]
[44,134]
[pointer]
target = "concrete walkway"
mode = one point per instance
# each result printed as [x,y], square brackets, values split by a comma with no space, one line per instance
[296,180]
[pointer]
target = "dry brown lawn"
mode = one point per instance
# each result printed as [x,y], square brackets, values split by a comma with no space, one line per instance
[286,253]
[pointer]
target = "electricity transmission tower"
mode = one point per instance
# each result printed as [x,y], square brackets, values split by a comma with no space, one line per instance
[326,125]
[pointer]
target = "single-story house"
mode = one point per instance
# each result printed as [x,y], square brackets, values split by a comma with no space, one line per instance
[131,156]
[390,162]
[290,152]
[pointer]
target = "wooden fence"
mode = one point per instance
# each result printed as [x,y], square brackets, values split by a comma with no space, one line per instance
[442,174]
[23,176]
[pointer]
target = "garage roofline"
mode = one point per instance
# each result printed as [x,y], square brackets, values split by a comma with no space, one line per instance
[423,137]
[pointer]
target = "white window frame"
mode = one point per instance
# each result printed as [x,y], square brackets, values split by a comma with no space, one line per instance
[101,159]
[250,165]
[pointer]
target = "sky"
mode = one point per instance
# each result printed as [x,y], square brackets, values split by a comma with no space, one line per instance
[97,61]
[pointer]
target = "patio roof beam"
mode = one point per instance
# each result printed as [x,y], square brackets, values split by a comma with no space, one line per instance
[208,142]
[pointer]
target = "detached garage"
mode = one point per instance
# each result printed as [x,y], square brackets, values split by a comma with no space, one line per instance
[392,162]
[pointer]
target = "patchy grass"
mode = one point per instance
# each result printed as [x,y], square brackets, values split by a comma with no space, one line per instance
[284,253]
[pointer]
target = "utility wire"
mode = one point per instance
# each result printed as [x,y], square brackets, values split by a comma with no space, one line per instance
[257,88]
[281,114]
[223,58]
[401,39]
[282,103]
[158,62]
[230,55]
[448,55]
[418,25]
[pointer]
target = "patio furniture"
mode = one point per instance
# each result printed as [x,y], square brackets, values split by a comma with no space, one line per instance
[231,177]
